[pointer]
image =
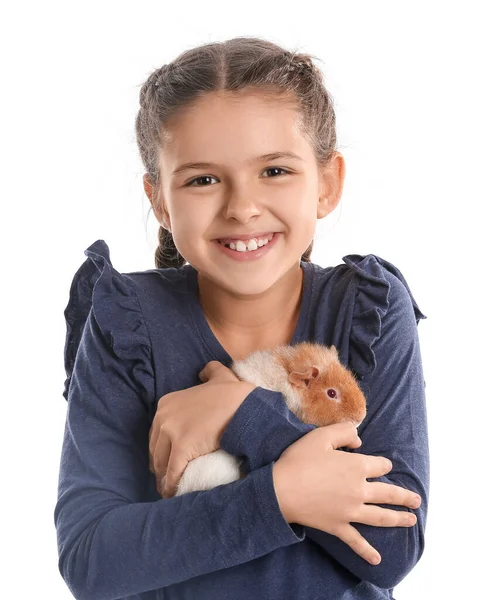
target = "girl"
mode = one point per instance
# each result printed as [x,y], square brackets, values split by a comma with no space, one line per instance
[234,275]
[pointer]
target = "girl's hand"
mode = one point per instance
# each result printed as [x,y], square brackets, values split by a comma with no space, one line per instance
[189,423]
[321,487]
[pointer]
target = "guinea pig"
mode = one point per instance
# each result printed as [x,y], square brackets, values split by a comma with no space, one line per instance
[316,387]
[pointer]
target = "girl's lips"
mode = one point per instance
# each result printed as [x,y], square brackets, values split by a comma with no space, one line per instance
[248,254]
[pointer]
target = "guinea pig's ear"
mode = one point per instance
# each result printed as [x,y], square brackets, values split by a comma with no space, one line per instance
[303,379]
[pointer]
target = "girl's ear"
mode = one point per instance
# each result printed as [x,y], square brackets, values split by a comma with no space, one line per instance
[331,184]
[158,206]
[303,379]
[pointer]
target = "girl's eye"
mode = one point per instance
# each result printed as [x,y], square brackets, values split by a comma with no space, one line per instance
[201,177]
[277,169]
[189,184]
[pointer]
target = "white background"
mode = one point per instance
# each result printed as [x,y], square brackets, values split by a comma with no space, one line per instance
[408,83]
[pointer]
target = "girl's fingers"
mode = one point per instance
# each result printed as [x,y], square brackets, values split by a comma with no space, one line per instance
[209,370]
[377,466]
[339,435]
[153,438]
[385,517]
[175,469]
[352,537]
[378,492]
[216,369]
[152,444]
[161,454]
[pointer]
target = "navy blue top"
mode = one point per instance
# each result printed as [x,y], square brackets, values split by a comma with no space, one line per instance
[133,337]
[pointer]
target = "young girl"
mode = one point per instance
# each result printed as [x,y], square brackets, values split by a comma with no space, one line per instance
[239,145]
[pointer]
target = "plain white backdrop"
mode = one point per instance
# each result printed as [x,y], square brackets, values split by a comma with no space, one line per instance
[407,79]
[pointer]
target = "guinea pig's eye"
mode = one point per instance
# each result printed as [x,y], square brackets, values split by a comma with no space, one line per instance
[331,393]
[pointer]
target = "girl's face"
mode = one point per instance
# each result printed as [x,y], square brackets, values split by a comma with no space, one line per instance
[238,193]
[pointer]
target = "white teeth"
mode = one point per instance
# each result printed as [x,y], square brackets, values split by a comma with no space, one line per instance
[250,245]
[240,246]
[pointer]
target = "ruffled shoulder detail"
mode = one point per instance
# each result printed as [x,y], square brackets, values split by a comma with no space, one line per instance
[371,302]
[116,308]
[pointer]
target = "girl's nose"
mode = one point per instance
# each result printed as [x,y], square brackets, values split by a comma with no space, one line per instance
[241,206]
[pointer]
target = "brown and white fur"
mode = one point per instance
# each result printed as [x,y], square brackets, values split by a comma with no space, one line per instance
[316,387]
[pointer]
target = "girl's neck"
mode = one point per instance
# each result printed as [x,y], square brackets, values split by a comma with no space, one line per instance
[268,320]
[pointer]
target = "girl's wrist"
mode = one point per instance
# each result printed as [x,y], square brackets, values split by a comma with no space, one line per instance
[241,391]
[234,398]
[245,388]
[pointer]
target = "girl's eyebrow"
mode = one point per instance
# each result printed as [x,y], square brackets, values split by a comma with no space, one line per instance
[263,157]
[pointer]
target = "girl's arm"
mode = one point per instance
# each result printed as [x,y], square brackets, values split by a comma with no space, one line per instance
[112,542]
[395,427]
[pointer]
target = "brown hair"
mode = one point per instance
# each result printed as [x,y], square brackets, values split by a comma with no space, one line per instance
[231,65]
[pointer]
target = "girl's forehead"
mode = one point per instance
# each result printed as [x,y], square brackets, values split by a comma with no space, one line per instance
[216,112]
[215,125]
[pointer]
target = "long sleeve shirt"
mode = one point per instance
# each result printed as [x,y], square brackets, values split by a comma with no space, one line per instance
[134,337]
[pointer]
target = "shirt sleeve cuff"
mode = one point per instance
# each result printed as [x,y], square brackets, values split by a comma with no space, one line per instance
[269,508]
[261,429]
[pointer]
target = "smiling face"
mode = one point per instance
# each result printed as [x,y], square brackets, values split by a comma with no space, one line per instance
[238,193]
